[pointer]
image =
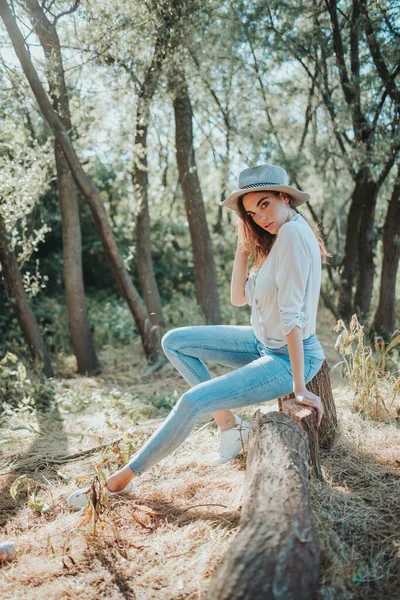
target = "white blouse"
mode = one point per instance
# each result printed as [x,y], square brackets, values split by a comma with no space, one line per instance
[284,291]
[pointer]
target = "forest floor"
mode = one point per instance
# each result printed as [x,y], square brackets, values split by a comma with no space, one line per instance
[166,541]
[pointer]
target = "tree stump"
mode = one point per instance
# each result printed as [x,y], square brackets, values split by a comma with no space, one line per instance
[307,418]
[320,385]
[275,554]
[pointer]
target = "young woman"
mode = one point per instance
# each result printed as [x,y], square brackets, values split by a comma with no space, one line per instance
[278,354]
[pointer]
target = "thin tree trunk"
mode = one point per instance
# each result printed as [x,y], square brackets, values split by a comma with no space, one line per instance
[78,321]
[224,177]
[147,278]
[17,296]
[384,322]
[81,336]
[204,266]
[349,263]
[149,336]
[366,267]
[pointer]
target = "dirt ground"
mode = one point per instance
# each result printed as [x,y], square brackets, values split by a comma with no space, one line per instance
[166,541]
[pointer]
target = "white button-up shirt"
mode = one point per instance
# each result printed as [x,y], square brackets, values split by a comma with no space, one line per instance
[284,291]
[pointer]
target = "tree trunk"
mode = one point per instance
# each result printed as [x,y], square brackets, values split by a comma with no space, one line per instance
[204,265]
[81,336]
[366,268]
[149,335]
[384,322]
[16,294]
[78,321]
[349,263]
[147,278]
[275,554]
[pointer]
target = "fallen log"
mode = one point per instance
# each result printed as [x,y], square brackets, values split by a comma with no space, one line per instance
[321,386]
[274,556]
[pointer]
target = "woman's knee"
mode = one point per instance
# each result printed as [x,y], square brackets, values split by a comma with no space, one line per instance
[174,338]
[170,339]
[188,405]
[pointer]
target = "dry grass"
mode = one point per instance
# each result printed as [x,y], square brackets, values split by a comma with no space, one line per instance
[357,509]
[171,549]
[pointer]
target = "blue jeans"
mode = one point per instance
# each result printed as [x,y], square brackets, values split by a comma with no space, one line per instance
[260,375]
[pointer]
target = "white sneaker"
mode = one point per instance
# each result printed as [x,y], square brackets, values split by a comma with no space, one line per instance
[80,498]
[231,441]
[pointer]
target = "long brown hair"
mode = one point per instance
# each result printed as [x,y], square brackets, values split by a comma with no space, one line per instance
[258,242]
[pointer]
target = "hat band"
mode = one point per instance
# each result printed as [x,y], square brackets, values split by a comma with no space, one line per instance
[253,185]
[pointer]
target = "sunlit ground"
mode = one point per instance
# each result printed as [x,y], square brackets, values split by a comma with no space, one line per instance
[168,539]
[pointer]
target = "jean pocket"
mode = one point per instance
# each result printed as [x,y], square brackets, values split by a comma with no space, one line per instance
[313,365]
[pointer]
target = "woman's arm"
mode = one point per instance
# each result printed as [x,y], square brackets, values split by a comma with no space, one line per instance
[296,354]
[239,276]
[291,279]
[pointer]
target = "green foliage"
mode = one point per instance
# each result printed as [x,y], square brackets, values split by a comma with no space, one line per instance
[21,389]
[34,502]
[172,259]
[11,338]
[52,319]
[183,310]
[25,165]
[111,320]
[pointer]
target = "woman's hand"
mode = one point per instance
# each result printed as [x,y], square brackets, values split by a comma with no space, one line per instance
[307,398]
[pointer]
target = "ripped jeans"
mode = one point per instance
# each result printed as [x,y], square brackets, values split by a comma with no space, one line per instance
[260,375]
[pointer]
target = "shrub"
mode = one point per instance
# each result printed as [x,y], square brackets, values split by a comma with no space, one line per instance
[20,389]
[374,376]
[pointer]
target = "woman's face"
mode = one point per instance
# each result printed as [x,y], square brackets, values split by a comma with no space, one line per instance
[267,210]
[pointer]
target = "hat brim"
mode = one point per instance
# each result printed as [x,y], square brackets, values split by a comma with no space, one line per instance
[298,197]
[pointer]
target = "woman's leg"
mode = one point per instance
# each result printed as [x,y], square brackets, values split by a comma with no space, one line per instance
[188,347]
[230,345]
[264,379]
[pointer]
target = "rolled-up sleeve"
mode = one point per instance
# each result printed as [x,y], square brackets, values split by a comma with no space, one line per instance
[249,286]
[293,268]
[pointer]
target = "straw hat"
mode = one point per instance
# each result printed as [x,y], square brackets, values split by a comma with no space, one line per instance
[261,178]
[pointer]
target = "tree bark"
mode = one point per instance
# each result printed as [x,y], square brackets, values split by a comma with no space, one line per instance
[147,278]
[17,296]
[275,554]
[307,418]
[366,252]
[204,265]
[78,321]
[149,335]
[349,263]
[384,322]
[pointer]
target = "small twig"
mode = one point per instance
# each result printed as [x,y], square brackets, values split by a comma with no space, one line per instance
[72,457]
[198,505]
[202,427]
[60,459]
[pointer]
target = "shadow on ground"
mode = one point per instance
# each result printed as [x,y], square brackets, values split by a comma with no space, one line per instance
[34,461]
